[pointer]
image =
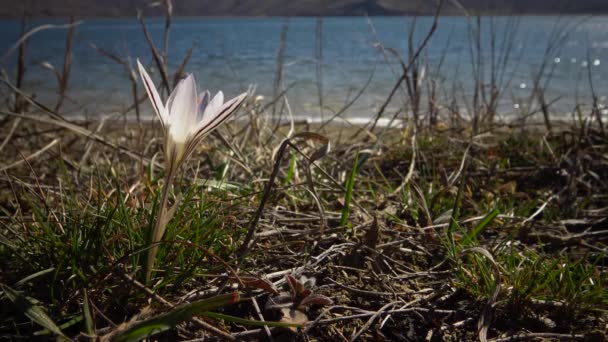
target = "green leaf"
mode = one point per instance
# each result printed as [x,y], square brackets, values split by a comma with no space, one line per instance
[350,184]
[473,234]
[168,320]
[29,308]
[291,170]
[239,320]
[89,324]
[71,322]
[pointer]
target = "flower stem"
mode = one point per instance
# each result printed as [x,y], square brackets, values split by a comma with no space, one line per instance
[159,226]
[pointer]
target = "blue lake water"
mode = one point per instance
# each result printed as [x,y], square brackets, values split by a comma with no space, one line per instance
[231,53]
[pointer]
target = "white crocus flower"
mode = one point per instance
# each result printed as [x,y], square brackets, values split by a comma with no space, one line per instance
[187,117]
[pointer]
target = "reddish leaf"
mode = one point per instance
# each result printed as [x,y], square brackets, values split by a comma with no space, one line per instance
[294,285]
[316,299]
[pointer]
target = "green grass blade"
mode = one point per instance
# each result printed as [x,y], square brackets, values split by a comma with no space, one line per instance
[350,184]
[168,320]
[33,276]
[29,308]
[456,212]
[63,326]
[291,170]
[7,242]
[473,234]
[243,321]
[89,324]
[222,185]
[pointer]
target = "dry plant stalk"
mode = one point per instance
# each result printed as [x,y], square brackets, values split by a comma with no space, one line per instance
[19,105]
[67,65]
[406,69]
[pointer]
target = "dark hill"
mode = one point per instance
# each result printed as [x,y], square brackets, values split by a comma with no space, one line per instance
[118,8]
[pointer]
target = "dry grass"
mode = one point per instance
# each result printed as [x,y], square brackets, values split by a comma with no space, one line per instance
[406,265]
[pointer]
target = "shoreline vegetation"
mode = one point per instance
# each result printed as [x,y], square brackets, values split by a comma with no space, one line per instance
[450,227]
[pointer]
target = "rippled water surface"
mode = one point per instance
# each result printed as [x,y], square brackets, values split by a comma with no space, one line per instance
[231,53]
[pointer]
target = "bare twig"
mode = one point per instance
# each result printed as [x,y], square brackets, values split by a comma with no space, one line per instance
[31,156]
[405,68]
[67,64]
[158,58]
[275,171]
[25,36]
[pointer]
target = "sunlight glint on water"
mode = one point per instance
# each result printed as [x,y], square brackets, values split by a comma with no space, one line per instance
[232,53]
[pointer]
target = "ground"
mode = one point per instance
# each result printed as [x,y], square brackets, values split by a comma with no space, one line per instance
[442,235]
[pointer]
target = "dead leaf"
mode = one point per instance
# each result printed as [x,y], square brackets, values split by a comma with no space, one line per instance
[293,317]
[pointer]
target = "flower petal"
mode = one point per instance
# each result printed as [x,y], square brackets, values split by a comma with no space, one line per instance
[155,99]
[217,119]
[215,105]
[203,101]
[211,122]
[211,110]
[182,105]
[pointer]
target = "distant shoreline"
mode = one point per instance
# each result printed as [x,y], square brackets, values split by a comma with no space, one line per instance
[430,15]
[290,8]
